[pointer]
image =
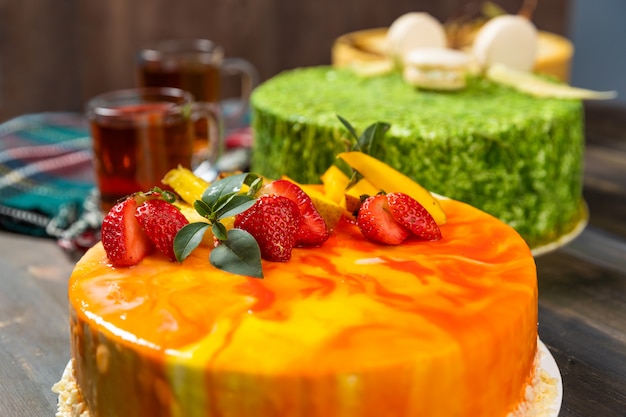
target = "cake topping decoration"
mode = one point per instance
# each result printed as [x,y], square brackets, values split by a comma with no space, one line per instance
[534,85]
[139,223]
[312,230]
[501,48]
[436,68]
[161,220]
[411,214]
[274,222]
[509,40]
[386,178]
[236,250]
[247,218]
[411,31]
[330,209]
[270,220]
[391,218]
[376,222]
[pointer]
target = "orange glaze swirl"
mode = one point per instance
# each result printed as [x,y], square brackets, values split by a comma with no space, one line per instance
[352,328]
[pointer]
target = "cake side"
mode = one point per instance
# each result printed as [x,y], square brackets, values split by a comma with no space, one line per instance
[542,398]
[190,340]
[500,150]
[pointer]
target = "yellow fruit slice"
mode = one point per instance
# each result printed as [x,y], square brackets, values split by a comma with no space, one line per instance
[352,196]
[362,187]
[390,180]
[192,216]
[334,182]
[190,188]
[529,83]
[186,184]
[330,210]
[353,204]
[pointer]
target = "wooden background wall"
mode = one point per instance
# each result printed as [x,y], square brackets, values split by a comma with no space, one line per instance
[56,54]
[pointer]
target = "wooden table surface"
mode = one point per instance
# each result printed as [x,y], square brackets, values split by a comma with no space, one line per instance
[582,297]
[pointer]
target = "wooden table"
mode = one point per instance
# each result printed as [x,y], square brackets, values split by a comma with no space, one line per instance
[582,301]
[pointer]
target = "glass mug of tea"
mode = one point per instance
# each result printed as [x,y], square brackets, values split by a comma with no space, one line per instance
[197,66]
[140,134]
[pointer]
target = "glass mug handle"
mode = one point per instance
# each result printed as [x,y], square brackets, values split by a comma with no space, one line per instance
[249,80]
[210,115]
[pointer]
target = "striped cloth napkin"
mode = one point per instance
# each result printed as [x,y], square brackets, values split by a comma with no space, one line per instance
[46,178]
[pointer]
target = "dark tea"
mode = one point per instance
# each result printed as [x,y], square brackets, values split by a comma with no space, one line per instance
[197,66]
[202,80]
[137,146]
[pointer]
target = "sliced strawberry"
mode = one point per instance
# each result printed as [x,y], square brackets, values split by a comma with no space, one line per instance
[273,221]
[411,214]
[377,224]
[161,221]
[313,230]
[124,241]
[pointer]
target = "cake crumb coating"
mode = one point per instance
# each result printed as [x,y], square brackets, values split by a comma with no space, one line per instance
[517,157]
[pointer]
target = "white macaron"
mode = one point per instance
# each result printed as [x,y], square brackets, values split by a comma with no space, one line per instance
[509,40]
[436,68]
[414,30]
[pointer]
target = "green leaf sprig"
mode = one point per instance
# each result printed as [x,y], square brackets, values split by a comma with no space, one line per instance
[368,142]
[238,252]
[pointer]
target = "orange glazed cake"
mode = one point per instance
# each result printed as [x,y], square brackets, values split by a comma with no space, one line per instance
[299,300]
[352,327]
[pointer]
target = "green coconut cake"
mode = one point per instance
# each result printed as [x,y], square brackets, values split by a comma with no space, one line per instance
[515,156]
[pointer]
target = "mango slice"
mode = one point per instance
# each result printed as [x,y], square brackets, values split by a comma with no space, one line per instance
[334,183]
[529,83]
[362,187]
[390,180]
[186,184]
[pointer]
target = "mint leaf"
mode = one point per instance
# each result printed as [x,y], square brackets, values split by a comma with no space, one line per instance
[188,238]
[219,231]
[371,137]
[349,127]
[238,254]
[255,185]
[367,143]
[228,185]
[236,204]
[203,209]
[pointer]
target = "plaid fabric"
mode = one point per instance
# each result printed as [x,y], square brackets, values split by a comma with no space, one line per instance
[47,179]
[45,172]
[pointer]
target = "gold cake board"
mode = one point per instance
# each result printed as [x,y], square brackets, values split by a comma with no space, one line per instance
[554,53]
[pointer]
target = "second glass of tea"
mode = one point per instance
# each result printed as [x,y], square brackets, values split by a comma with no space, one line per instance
[197,66]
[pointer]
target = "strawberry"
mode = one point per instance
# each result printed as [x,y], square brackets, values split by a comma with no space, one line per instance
[273,221]
[411,214]
[123,239]
[313,230]
[161,220]
[377,224]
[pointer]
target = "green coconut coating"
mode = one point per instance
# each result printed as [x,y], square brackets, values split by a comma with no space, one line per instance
[517,157]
